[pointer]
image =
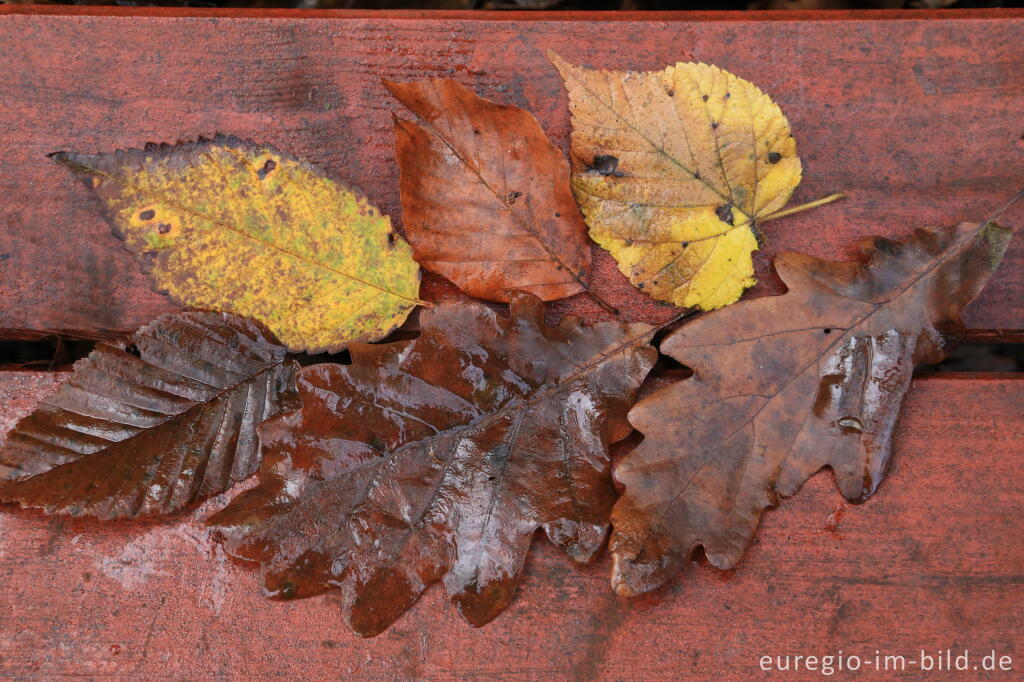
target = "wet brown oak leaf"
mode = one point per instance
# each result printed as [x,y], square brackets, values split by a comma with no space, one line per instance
[485,196]
[784,386]
[147,432]
[438,459]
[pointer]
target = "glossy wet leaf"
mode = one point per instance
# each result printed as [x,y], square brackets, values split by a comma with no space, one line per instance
[149,428]
[485,196]
[230,225]
[672,169]
[784,386]
[438,458]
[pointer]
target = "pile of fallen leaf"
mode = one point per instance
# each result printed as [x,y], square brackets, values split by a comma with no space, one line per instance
[438,458]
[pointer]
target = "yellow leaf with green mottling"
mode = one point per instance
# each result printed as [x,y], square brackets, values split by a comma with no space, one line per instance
[229,225]
[673,169]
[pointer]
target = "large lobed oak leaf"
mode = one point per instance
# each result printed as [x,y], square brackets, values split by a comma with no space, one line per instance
[148,432]
[784,386]
[485,196]
[226,224]
[672,170]
[438,459]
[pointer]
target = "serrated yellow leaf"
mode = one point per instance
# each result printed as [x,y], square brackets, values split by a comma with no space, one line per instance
[230,225]
[672,170]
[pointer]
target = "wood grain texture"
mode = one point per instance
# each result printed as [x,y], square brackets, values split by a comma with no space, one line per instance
[916,117]
[932,561]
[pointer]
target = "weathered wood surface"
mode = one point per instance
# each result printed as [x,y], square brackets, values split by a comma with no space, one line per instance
[933,561]
[917,117]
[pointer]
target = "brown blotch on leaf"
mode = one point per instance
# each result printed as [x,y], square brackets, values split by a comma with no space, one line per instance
[724,214]
[605,164]
[774,157]
[267,169]
[148,214]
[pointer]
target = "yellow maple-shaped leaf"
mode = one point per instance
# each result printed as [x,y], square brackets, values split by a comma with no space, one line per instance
[229,225]
[672,169]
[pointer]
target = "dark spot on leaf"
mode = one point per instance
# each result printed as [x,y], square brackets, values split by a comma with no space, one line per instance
[728,95]
[827,330]
[606,165]
[268,167]
[696,175]
[512,196]
[163,228]
[705,98]
[724,214]
[475,131]
[391,239]
[640,285]
[774,157]
[685,244]
[558,267]
[714,125]
[670,92]
[557,214]
[148,214]
[886,246]
[629,242]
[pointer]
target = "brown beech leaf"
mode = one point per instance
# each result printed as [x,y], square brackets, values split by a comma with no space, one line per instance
[485,196]
[149,431]
[784,386]
[438,458]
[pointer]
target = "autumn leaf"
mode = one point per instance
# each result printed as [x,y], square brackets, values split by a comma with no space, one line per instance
[784,386]
[230,225]
[438,458]
[673,169]
[147,429]
[485,196]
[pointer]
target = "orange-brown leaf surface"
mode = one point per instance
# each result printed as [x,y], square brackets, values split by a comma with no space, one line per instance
[147,432]
[438,459]
[485,196]
[784,386]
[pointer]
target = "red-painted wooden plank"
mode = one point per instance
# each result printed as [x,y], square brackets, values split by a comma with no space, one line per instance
[916,117]
[933,561]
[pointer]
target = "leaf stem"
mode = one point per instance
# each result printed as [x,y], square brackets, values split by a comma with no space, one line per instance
[802,207]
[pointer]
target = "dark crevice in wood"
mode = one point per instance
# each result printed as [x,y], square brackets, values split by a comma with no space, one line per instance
[981,357]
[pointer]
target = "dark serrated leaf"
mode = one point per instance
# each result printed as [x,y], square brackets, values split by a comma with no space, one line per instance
[147,432]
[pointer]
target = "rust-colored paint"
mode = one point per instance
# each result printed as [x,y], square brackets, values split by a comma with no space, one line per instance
[920,565]
[915,118]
